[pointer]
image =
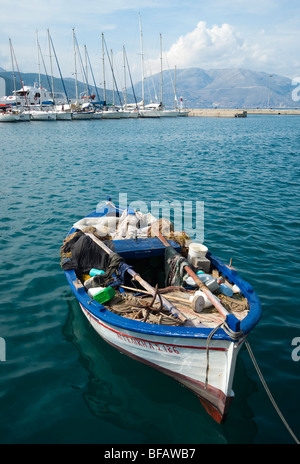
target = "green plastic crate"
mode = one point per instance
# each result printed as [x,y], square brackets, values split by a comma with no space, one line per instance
[104,295]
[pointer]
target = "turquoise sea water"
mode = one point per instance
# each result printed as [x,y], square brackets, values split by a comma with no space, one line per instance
[60,383]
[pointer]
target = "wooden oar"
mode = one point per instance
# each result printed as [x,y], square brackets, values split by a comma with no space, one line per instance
[143,283]
[175,298]
[203,288]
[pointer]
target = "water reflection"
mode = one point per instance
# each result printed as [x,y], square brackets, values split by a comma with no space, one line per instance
[135,398]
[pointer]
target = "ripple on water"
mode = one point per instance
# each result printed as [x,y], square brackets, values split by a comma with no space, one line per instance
[58,375]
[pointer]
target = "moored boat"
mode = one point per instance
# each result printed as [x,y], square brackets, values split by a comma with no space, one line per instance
[42,115]
[29,96]
[24,115]
[8,115]
[167,315]
[97,114]
[63,115]
[150,111]
[125,114]
[164,113]
[82,114]
[110,113]
[183,112]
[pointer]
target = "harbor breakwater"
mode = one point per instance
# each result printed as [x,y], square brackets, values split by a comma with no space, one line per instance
[240,113]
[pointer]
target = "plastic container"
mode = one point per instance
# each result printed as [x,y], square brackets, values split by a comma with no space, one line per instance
[198,303]
[207,302]
[89,283]
[103,295]
[225,290]
[235,289]
[93,291]
[94,272]
[196,251]
[212,284]
[190,281]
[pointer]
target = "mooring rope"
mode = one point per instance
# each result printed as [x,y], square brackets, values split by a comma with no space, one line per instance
[207,351]
[268,392]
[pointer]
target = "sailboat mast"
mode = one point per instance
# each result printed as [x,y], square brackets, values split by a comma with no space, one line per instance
[14,55]
[175,88]
[113,83]
[115,86]
[142,60]
[13,70]
[87,89]
[38,58]
[89,62]
[132,86]
[88,97]
[75,67]
[125,90]
[59,68]
[161,73]
[51,67]
[103,67]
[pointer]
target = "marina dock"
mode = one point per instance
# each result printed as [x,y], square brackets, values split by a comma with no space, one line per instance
[240,113]
[218,113]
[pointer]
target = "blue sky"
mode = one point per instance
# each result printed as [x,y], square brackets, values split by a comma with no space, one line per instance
[262,35]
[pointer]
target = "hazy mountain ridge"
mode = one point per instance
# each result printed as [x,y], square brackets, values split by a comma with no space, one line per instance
[199,88]
[228,88]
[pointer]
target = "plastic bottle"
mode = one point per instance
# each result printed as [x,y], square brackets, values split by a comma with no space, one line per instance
[101,294]
[93,291]
[225,290]
[94,272]
[190,281]
[212,284]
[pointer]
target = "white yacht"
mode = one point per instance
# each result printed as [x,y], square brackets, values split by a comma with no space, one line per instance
[29,96]
[63,112]
[8,115]
[149,111]
[43,115]
[110,113]
[24,115]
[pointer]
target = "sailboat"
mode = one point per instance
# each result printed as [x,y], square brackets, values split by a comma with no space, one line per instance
[63,112]
[40,113]
[108,112]
[79,111]
[163,111]
[17,114]
[8,115]
[126,111]
[129,110]
[88,96]
[150,110]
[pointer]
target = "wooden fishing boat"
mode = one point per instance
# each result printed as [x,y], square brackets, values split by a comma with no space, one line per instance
[192,333]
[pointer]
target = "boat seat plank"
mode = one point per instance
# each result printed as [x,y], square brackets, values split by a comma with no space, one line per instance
[141,247]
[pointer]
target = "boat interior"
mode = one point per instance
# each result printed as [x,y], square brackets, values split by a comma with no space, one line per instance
[150,261]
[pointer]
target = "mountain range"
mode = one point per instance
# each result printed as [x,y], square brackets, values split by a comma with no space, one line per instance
[199,88]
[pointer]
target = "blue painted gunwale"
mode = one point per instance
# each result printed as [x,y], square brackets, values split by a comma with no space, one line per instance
[99,312]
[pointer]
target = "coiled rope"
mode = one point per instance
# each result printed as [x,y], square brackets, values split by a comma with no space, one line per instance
[269,393]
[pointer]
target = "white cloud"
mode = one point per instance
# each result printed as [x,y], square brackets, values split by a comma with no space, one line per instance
[224,47]
[239,42]
[216,47]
